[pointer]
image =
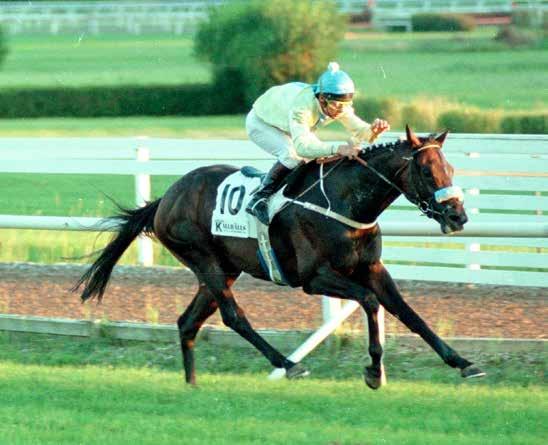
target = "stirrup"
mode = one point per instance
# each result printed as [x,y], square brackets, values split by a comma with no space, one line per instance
[260,211]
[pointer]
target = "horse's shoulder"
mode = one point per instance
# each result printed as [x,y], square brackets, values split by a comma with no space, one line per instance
[296,179]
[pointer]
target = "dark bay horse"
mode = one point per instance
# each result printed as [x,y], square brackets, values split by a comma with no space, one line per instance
[319,254]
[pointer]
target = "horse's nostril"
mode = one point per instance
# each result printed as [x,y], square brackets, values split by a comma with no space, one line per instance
[458,218]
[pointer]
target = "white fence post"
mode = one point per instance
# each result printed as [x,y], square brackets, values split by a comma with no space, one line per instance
[330,308]
[382,336]
[145,256]
[317,337]
[382,340]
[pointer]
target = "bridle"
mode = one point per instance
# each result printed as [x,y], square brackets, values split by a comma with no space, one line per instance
[427,207]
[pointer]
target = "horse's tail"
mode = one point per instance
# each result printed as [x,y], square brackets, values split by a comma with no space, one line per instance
[131,224]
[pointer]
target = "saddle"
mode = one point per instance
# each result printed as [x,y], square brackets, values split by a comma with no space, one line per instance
[252,172]
[292,180]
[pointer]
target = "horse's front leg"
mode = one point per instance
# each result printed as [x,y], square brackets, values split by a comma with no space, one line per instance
[331,283]
[380,281]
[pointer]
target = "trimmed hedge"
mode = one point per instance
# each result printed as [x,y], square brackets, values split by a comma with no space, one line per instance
[204,100]
[525,124]
[421,116]
[188,100]
[442,22]
[370,109]
[183,100]
[470,121]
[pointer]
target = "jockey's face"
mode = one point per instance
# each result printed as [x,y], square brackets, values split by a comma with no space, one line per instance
[333,108]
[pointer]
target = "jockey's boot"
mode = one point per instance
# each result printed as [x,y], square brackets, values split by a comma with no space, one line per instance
[258,206]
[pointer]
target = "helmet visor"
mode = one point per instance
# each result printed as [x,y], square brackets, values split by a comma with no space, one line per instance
[339,97]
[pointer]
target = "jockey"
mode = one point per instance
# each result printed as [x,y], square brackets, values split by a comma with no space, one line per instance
[282,122]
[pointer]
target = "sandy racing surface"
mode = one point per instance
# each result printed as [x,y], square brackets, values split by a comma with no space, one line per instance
[160,294]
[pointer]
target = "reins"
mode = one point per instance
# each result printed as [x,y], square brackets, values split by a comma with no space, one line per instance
[327,211]
[422,205]
[321,178]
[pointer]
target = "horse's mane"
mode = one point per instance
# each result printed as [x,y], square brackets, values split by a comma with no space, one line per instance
[374,150]
[298,176]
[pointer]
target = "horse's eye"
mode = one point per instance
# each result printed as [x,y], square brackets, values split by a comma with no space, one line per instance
[427,172]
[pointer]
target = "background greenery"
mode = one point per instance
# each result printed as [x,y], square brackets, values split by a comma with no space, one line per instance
[468,68]
[442,22]
[255,45]
[471,79]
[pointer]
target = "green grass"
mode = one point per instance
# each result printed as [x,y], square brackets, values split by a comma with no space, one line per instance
[50,247]
[341,358]
[59,390]
[468,68]
[116,59]
[73,195]
[100,406]
[67,195]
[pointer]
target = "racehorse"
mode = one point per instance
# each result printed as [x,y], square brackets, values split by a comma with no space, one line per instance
[322,255]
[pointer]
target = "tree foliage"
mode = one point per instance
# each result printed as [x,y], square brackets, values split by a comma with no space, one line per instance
[257,44]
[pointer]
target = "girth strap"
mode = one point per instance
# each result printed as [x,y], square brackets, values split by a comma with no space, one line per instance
[334,215]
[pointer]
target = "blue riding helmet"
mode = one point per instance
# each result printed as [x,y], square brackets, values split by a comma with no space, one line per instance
[335,83]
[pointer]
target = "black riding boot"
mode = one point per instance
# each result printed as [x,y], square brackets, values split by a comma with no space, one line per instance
[258,206]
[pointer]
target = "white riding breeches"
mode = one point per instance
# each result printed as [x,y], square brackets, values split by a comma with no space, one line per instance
[272,140]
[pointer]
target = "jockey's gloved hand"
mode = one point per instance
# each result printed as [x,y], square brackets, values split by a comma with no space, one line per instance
[377,127]
[348,150]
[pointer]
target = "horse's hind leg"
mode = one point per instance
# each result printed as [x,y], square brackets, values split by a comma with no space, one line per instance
[384,287]
[202,306]
[215,276]
[234,317]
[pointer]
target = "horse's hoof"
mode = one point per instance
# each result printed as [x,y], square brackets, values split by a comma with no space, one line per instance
[297,371]
[372,377]
[471,372]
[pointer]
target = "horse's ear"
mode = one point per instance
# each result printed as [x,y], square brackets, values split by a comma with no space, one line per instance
[441,137]
[412,138]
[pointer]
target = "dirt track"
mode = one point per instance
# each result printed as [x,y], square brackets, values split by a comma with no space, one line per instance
[161,294]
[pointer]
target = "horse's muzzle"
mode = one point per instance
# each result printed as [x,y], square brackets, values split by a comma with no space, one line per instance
[453,217]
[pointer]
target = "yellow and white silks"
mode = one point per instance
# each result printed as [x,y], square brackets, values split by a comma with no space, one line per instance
[283,120]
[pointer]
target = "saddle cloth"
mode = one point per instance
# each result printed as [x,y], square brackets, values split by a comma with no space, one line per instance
[229,217]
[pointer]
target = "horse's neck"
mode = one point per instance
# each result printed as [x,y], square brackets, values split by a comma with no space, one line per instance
[375,194]
[352,189]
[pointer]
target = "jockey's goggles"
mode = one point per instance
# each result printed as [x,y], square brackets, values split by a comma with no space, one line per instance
[339,104]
